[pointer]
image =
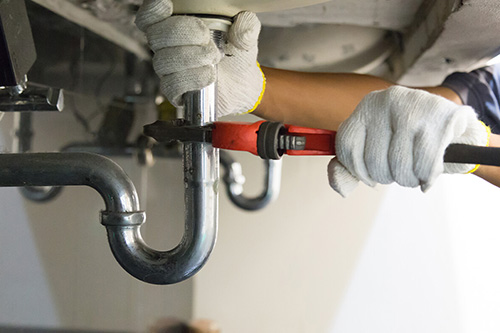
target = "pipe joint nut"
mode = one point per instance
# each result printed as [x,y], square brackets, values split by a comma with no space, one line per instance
[121,219]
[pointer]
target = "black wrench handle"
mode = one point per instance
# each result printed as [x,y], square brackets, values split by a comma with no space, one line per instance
[461,153]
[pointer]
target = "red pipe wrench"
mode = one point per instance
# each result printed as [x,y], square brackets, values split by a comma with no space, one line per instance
[271,140]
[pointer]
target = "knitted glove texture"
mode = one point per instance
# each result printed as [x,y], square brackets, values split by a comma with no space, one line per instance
[400,135]
[187,59]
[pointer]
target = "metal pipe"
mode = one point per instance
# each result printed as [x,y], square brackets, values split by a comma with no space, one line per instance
[122,216]
[201,172]
[234,180]
[201,169]
[66,169]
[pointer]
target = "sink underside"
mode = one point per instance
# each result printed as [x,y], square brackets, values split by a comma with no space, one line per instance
[233,7]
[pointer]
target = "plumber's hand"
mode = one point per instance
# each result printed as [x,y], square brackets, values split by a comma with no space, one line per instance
[400,135]
[185,57]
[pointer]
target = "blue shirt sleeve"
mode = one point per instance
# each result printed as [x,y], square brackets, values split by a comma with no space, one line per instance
[481,90]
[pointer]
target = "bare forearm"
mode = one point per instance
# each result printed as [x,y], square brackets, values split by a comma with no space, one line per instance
[320,100]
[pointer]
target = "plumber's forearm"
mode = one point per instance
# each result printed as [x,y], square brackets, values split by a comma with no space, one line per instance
[320,100]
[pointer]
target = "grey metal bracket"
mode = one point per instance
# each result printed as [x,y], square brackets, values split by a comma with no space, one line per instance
[31,99]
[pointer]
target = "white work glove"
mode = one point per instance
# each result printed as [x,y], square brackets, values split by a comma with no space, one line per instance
[400,135]
[187,59]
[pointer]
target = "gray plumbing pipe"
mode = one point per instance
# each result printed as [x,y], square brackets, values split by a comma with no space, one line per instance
[201,180]
[122,216]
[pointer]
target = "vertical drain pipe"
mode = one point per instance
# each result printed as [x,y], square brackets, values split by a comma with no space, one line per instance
[201,173]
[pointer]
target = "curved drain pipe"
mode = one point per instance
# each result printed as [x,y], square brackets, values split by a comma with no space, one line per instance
[122,216]
[234,180]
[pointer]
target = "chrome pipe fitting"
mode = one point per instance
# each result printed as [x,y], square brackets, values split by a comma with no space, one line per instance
[201,180]
[122,216]
[234,180]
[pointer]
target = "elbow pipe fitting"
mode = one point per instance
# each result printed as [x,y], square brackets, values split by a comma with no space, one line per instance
[234,180]
[122,216]
[187,258]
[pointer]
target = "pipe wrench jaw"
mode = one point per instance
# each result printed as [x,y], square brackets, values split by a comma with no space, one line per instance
[168,131]
[269,140]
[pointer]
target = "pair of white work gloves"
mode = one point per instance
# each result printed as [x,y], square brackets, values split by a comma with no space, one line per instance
[394,135]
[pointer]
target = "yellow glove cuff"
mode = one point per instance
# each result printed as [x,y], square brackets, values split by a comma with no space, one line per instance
[259,100]
[488,133]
